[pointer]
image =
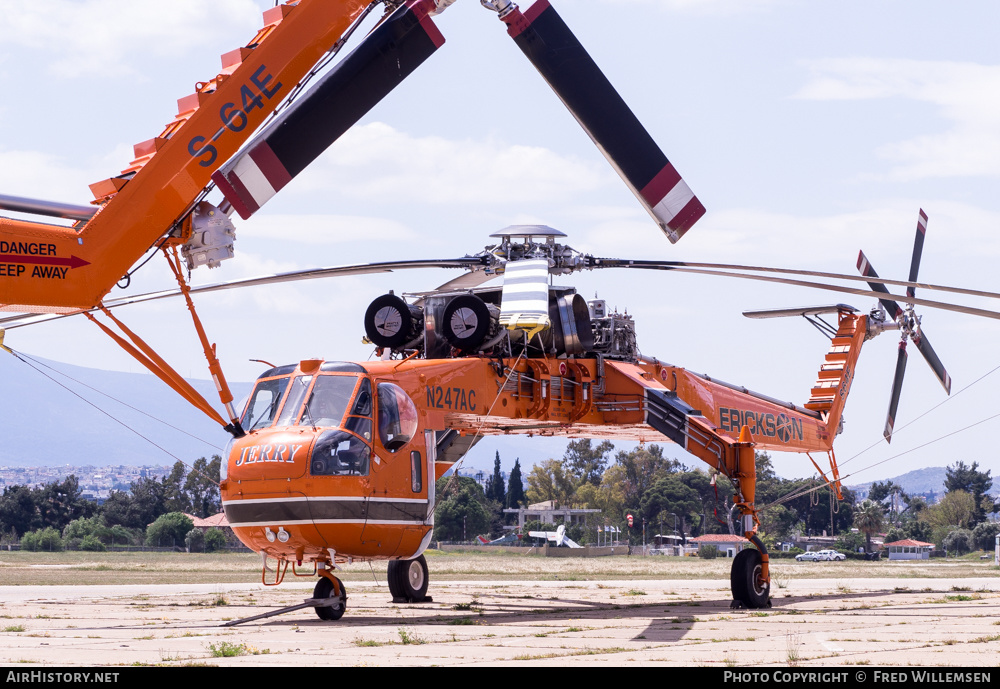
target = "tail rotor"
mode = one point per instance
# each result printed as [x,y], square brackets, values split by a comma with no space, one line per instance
[907,322]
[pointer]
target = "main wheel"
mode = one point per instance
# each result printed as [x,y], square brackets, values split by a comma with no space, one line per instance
[324,589]
[746,579]
[408,580]
[737,581]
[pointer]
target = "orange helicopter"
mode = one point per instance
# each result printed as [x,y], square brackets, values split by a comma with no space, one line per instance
[331,461]
[339,459]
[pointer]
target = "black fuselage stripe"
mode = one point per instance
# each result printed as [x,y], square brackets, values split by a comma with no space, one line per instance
[282,511]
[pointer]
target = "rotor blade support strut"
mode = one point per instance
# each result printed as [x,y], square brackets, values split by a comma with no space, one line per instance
[214,367]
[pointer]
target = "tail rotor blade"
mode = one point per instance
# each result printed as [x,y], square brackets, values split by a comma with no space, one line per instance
[390,53]
[567,67]
[865,268]
[920,340]
[918,249]
[897,387]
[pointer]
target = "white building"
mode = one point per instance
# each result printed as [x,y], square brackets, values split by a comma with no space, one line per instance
[908,549]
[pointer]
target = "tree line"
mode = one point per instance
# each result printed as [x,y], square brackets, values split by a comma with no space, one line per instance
[665,497]
[151,512]
[957,524]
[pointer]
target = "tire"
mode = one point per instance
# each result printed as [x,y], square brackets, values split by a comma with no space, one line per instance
[392,579]
[408,580]
[745,579]
[324,589]
[737,580]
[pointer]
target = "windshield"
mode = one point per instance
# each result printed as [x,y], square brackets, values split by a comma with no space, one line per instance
[328,401]
[297,393]
[263,404]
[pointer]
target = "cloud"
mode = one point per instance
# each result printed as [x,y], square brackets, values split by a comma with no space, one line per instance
[709,7]
[379,162]
[112,37]
[37,174]
[967,96]
[325,229]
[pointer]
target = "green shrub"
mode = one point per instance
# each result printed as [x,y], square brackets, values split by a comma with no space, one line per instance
[47,539]
[215,540]
[92,543]
[708,552]
[169,529]
[195,540]
[959,542]
[985,535]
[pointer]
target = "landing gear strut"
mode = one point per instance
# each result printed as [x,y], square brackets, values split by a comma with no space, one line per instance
[408,581]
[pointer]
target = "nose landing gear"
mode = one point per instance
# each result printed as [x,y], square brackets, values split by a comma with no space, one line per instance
[331,591]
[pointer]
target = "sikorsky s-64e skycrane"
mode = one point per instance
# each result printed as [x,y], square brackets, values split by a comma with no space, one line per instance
[333,461]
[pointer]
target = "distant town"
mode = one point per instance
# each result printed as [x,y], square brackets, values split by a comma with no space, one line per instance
[96,483]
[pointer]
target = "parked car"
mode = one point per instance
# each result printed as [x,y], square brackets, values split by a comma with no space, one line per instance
[830,555]
[811,556]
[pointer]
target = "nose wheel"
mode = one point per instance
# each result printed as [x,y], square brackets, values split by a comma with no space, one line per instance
[408,581]
[337,604]
[750,588]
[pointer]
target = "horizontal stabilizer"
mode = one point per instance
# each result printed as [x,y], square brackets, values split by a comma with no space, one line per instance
[800,311]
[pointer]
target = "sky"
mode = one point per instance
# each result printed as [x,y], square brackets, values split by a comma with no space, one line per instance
[808,130]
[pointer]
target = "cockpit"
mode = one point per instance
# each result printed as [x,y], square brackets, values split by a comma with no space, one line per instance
[338,399]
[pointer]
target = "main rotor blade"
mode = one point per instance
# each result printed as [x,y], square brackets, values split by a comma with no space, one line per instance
[563,62]
[663,265]
[390,53]
[607,262]
[918,249]
[865,267]
[897,387]
[22,320]
[932,358]
[474,278]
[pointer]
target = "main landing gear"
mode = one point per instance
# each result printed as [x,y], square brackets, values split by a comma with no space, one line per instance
[408,581]
[751,588]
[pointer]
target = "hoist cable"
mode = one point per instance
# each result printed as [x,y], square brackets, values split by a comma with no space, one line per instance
[28,363]
[122,402]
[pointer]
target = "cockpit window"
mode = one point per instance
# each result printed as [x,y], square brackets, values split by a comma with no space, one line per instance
[397,416]
[338,453]
[263,404]
[296,393]
[363,404]
[328,401]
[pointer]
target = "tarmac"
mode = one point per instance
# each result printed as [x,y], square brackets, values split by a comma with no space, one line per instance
[813,622]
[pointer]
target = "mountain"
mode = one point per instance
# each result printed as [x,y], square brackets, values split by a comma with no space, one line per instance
[918,482]
[49,423]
